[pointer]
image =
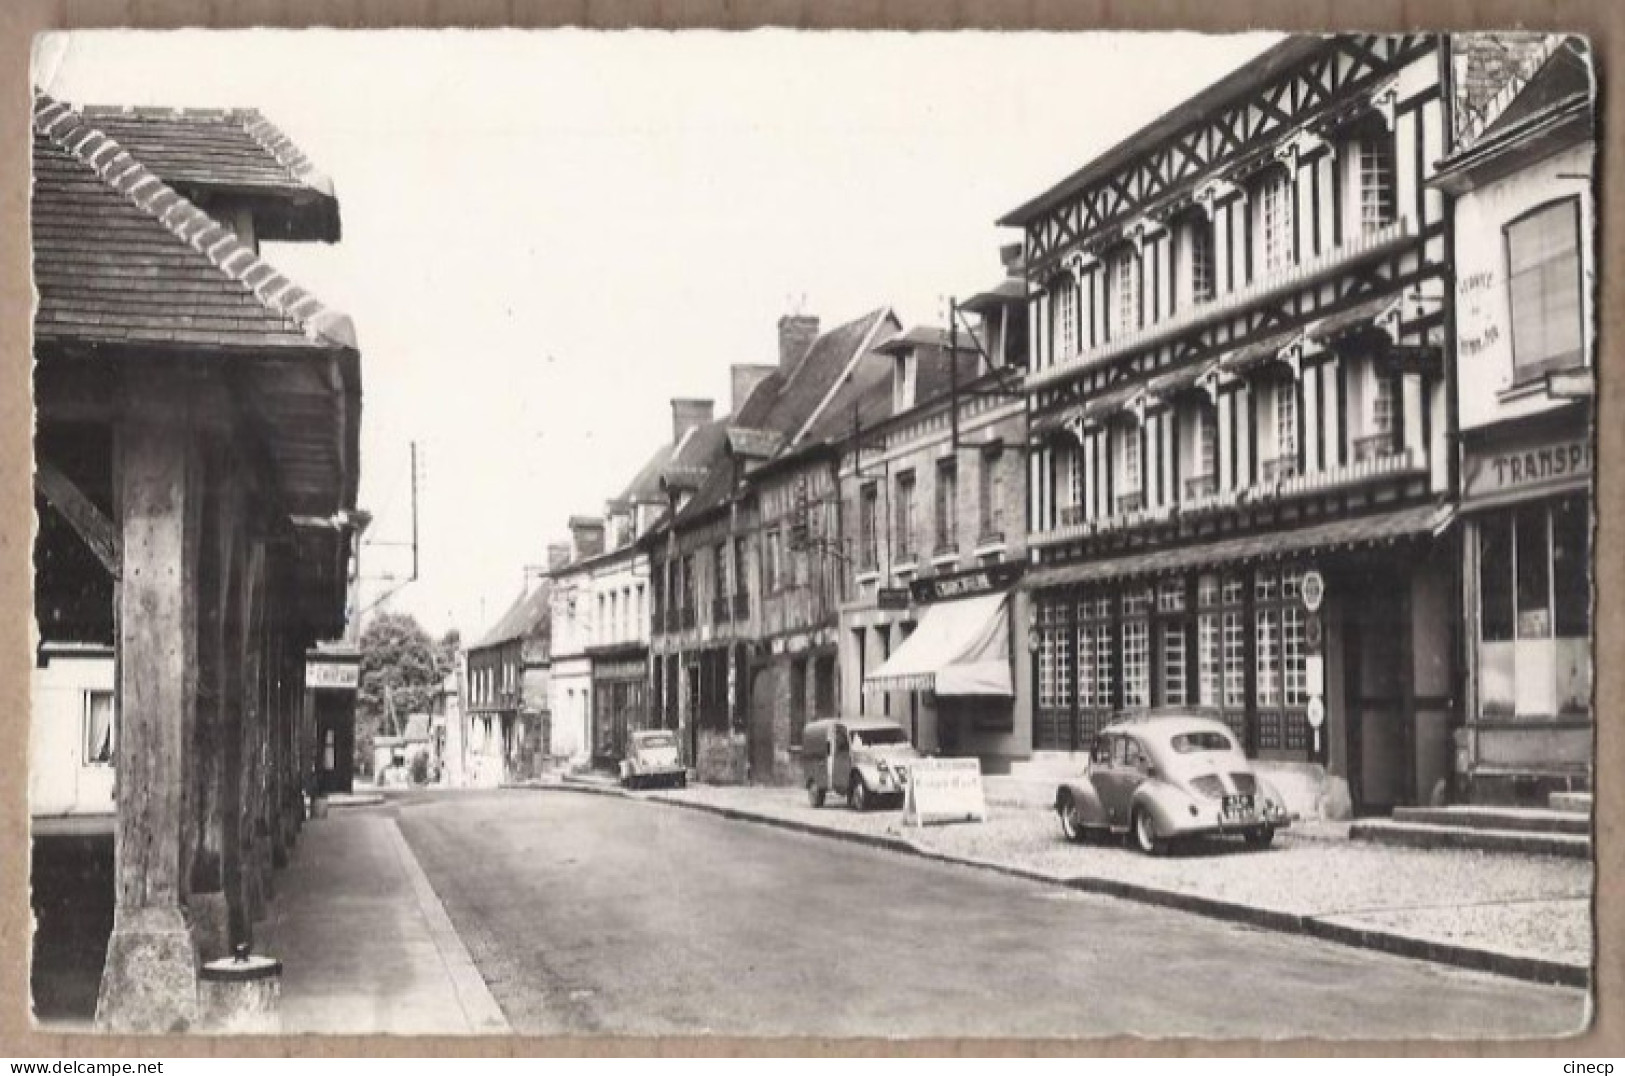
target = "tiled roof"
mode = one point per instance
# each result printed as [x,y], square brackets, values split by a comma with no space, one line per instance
[870,387]
[645,485]
[528,617]
[121,259]
[235,150]
[1562,76]
[796,396]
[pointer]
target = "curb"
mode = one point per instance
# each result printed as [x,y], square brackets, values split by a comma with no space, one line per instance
[1531,968]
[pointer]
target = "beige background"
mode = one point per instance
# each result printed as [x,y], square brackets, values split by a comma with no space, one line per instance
[1602,20]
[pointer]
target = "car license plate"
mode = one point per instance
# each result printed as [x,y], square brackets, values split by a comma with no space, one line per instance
[1237,808]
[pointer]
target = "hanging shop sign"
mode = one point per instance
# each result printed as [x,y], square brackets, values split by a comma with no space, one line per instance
[944,790]
[1312,589]
[988,580]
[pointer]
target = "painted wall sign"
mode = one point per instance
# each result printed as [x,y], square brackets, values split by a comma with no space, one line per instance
[333,675]
[944,790]
[994,577]
[1493,471]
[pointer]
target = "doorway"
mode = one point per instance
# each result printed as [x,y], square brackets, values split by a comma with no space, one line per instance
[1376,658]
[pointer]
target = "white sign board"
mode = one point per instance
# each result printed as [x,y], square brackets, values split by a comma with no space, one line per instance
[944,790]
[1314,673]
[1316,713]
[335,675]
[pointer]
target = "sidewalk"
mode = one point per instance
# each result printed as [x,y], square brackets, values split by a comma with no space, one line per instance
[366,947]
[1521,915]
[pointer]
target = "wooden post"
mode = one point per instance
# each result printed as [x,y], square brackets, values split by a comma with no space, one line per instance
[149,980]
[251,841]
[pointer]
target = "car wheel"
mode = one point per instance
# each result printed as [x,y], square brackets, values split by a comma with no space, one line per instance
[815,795]
[858,795]
[1261,838]
[1145,833]
[1071,826]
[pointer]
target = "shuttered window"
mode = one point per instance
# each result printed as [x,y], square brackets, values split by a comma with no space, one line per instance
[1543,275]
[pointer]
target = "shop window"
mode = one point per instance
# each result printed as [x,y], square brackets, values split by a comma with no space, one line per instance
[1534,610]
[1136,629]
[1049,620]
[1095,654]
[1268,672]
[98,749]
[1207,659]
[1174,669]
[1171,596]
[1543,275]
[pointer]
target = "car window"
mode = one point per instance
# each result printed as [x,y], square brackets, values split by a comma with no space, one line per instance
[1133,754]
[1119,750]
[1189,743]
[1102,751]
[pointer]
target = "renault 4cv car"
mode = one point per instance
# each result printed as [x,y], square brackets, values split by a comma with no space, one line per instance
[865,759]
[651,758]
[1166,777]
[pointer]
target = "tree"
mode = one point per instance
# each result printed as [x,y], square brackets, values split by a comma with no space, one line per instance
[399,661]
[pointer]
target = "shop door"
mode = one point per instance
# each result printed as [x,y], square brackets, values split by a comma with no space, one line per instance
[1375,658]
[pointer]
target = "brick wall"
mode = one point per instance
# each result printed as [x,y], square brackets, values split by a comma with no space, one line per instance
[1483,64]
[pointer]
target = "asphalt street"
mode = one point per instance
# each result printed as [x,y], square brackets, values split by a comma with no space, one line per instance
[591,914]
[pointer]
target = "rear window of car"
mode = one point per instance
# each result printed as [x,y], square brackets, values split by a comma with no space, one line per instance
[1189,743]
[659,739]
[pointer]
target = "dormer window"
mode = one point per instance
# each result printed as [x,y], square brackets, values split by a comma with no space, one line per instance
[903,381]
[1125,293]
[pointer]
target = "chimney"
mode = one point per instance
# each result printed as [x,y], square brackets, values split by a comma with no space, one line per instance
[558,555]
[1485,64]
[586,537]
[796,335]
[1014,262]
[687,414]
[745,379]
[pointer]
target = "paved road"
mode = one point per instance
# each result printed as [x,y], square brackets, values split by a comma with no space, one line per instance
[593,914]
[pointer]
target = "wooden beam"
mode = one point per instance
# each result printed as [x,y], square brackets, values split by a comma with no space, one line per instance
[87,521]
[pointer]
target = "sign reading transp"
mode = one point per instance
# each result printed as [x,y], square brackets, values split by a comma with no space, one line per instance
[944,790]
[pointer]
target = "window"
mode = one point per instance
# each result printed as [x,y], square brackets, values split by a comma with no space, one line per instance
[688,585]
[98,728]
[903,382]
[770,570]
[947,505]
[1136,663]
[1065,297]
[868,526]
[1129,473]
[1200,236]
[1286,430]
[1275,221]
[1173,664]
[1207,441]
[719,564]
[1375,153]
[905,516]
[1125,294]
[1051,621]
[1543,274]
[991,496]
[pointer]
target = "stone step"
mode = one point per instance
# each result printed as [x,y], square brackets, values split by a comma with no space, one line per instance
[1521,819]
[1570,801]
[1422,835]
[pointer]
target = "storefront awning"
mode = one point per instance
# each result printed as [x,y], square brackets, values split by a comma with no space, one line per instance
[960,648]
[1419,521]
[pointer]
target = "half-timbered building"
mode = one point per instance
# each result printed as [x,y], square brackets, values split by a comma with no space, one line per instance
[1241,457]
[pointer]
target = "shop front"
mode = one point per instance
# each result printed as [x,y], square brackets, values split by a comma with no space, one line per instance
[949,670]
[620,686]
[1527,554]
[1326,648]
[332,677]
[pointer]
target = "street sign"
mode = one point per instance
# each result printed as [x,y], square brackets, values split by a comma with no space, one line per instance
[944,790]
[1312,590]
[1316,712]
[333,675]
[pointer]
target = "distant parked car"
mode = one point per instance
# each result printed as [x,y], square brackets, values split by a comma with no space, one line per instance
[1161,778]
[864,759]
[651,759]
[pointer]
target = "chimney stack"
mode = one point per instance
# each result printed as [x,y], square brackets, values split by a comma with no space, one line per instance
[558,555]
[796,335]
[745,379]
[687,414]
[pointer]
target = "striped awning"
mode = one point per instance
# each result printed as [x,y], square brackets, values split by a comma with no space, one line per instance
[961,647]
